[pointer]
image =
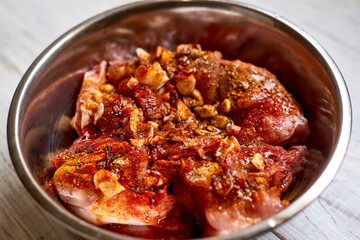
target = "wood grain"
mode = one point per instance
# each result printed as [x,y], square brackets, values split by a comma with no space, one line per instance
[28,26]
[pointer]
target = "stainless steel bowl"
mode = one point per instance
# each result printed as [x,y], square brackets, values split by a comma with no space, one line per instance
[44,100]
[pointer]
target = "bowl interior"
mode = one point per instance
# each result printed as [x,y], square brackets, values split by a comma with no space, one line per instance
[49,89]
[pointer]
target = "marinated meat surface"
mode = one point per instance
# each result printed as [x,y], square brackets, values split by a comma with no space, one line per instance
[180,144]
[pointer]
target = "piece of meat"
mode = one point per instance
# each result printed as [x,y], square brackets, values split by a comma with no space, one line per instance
[73,180]
[151,103]
[178,136]
[104,196]
[129,208]
[105,201]
[262,106]
[120,70]
[179,224]
[240,188]
[205,67]
[89,104]
[116,108]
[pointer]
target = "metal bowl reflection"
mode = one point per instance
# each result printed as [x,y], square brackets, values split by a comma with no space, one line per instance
[38,123]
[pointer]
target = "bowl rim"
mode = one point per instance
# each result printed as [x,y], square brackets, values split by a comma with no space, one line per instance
[87,229]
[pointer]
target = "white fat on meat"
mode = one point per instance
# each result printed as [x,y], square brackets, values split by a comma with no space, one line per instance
[101,199]
[88,104]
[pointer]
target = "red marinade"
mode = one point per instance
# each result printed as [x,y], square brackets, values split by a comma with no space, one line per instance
[180,144]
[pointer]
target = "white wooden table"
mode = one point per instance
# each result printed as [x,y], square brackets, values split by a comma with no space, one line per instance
[28,26]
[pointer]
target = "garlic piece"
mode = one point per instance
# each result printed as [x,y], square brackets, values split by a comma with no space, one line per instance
[206,111]
[186,85]
[107,182]
[258,161]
